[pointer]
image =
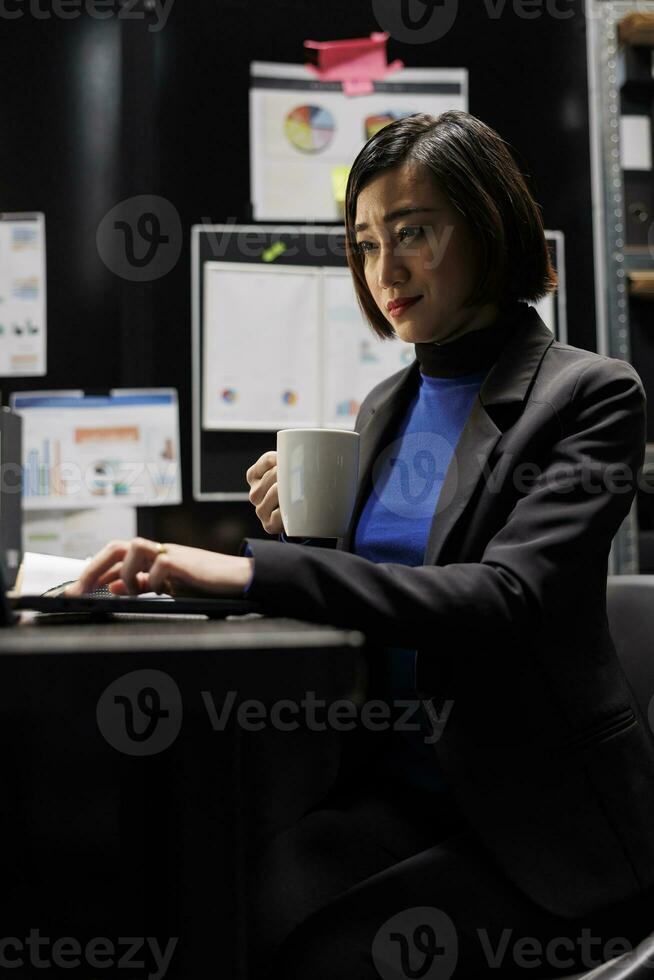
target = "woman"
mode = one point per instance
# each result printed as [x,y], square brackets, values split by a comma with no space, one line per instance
[495,470]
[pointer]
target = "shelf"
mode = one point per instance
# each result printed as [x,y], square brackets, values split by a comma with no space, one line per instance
[637,257]
[637,28]
[620,42]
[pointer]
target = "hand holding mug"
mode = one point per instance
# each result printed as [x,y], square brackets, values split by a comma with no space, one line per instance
[262,477]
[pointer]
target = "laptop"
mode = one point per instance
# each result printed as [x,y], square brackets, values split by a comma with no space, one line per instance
[101,605]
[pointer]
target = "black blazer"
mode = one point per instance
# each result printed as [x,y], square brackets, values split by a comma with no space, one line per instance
[544,748]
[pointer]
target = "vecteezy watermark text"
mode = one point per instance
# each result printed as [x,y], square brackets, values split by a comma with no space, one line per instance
[251,242]
[66,479]
[341,715]
[560,952]
[403,477]
[158,11]
[423,941]
[140,713]
[98,953]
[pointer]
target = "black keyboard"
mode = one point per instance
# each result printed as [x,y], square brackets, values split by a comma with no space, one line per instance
[59,590]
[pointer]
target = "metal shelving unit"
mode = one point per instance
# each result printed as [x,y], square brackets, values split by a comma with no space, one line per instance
[613,259]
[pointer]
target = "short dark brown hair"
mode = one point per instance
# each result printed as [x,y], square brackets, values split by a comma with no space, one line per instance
[474,167]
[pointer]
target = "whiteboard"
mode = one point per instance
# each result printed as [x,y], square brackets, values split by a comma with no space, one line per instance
[264,327]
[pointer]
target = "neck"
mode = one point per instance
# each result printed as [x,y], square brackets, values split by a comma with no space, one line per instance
[472,351]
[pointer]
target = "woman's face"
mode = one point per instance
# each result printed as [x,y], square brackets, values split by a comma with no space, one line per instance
[415,243]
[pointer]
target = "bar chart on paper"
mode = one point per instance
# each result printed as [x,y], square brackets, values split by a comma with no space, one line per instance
[42,468]
[99,451]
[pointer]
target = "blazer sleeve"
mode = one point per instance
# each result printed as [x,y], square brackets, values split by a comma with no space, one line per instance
[562,521]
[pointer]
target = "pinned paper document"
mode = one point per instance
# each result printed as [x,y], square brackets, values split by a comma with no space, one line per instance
[355,62]
[114,450]
[22,294]
[304,130]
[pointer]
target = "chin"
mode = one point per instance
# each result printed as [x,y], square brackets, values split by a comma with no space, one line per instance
[414,335]
[407,336]
[421,330]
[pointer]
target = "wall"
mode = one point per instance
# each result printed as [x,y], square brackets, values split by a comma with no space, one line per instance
[101,110]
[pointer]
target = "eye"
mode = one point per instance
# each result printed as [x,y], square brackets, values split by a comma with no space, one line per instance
[409,232]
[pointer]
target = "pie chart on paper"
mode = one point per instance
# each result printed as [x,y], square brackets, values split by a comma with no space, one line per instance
[373,124]
[309,128]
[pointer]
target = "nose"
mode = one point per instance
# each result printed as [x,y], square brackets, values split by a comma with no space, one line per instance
[391,271]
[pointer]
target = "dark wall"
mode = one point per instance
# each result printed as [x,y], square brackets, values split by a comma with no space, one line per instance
[98,111]
[60,154]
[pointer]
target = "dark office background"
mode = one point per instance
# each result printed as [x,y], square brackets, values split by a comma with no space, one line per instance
[96,111]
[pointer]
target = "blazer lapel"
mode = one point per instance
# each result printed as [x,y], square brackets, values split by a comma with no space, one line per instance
[497,405]
[499,401]
[477,440]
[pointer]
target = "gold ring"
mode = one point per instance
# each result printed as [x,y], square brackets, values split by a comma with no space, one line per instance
[162,549]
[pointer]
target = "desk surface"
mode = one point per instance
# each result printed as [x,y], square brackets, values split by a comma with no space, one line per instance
[130,632]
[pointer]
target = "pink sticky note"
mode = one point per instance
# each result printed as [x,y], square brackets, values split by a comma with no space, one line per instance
[355,62]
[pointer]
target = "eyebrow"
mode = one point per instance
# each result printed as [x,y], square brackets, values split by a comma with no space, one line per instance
[392,215]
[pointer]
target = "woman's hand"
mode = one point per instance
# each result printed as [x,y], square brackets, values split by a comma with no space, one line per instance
[130,567]
[262,477]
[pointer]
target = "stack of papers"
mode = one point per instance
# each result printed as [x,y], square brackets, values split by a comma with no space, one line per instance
[38,573]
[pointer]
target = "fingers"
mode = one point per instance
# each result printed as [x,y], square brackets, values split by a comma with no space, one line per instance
[262,465]
[275,524]
[119,561]
[178,570]
[110,556]
[262,486]
[110,576]
[160,575]
[264,495]
[268,505]
[118,587]
[140,557]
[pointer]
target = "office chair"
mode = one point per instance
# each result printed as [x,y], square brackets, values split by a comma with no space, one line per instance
[630,607]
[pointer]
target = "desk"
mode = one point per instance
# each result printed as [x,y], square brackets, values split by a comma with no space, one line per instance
[102,842]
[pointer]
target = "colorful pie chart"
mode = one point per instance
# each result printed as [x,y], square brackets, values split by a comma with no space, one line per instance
[372,124]
[309,128]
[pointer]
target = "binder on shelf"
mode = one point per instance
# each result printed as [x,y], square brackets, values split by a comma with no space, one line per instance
[641,283]
[637,28]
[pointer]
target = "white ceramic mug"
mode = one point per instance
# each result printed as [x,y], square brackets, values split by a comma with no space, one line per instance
[317,473]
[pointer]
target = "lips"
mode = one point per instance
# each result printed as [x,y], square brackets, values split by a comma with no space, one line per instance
[399,305]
